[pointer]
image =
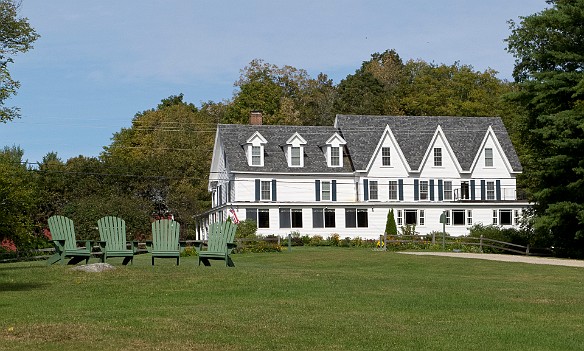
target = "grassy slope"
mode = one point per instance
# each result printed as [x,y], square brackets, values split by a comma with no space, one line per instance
[310,299]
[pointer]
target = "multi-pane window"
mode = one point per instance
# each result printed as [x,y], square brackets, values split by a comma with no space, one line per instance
[373,190]
[393,190]
[335,156]
[295,156]
[325,191]
[256,156]
[323,218]
[490,190]
[469,217]
[448,190]
[356,218]
[495,217]
[260,216]
[423,190]
[386,156]
[437,157]
[400,218]
[290,218]
[422,218]
[266,190]
[488,157]
[516,219]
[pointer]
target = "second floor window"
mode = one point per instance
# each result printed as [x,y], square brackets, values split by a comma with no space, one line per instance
[423,190]
[373,190]
[393,190]
[266,190]
[385,156]
[490,190]
[437,157]
[326,191]
[448,190]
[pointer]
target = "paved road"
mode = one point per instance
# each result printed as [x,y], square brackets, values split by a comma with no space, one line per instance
[506,258]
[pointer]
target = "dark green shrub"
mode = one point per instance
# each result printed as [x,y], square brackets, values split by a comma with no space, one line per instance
[246,229]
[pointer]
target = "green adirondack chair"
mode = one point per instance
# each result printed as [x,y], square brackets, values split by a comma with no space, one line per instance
[112,234]
[220,243]
[63,234]
[165,243]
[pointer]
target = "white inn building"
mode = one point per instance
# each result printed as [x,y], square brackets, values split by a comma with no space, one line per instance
[345,178]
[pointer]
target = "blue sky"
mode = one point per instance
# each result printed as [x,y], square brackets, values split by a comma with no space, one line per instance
[98,63]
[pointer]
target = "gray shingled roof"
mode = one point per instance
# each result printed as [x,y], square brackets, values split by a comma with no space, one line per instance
[362,134]
[234,137]
[414,134]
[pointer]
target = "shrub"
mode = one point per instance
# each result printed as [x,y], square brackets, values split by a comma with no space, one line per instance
[246,229]
[316,240]
[334,240]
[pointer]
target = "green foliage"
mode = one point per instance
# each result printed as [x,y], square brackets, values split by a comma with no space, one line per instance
[408,230]
[246,229]
[16,36]
[17,199]
[390,226]
[549,73]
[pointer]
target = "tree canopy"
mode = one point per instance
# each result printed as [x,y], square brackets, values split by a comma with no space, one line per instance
[549,50]
[16,35]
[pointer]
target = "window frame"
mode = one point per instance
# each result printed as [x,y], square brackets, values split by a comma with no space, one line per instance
[386,158]
[256,157]
[490,190]
[335,160]
[393,187]
[488,158]
[437,157]
[264,191]
[373,190]
[298,157]
[328,191]
[424,194]
[447,189]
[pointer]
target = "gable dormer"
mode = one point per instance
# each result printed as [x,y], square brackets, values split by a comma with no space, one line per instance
[295,150]
[490,158]
[254,150]
[439,158]
[334,150]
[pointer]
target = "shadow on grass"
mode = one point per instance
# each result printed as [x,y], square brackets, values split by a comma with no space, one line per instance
[7,286]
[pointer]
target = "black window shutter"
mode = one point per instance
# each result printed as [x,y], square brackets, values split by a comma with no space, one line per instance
[365,189]
[431,189]
[416,189]
[334,190]
[483,190]
[498,187]
[274,197]
[472,189]
[257,190]
[317,190]
[440,190]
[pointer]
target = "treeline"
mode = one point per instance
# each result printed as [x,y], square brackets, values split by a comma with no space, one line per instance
[160,164]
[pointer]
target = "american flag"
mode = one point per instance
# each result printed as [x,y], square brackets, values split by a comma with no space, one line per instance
[234,215]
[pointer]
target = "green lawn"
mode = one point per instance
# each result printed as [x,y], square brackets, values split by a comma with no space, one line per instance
[309,299]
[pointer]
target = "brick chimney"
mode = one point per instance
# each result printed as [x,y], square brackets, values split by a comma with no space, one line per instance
[255,118]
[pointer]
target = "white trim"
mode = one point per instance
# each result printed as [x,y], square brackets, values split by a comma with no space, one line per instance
[490,132]
[430,151]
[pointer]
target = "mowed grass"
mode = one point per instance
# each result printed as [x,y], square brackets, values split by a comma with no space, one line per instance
[307,299]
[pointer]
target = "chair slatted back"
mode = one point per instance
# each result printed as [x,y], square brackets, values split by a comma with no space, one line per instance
[220,234]
[112,230]
[165,235]
[62,228]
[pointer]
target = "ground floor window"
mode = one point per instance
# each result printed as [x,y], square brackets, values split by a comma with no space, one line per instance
[411,217]
[505,217]
[323,217]
[458,217]
[259,215]
[290,218]
[356,218]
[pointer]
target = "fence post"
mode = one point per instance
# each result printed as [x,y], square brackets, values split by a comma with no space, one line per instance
[527,250]
[481,243]
[289,242]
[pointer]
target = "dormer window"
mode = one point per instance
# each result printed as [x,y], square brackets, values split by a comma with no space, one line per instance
[255,150]
[295,150]
[334,150]
[256,155]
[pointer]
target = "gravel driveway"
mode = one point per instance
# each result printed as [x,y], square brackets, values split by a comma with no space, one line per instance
[506,258]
